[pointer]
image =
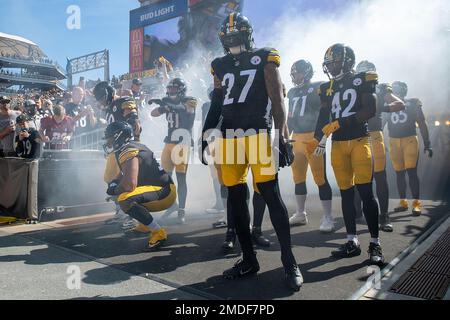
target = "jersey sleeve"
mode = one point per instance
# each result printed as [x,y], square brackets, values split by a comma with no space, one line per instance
[273,56]
[127,154]
[370,82]
[128,104]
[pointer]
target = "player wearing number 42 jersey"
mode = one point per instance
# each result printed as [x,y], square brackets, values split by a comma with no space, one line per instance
[248,94]
[404,146]
[350,100]
[304,108]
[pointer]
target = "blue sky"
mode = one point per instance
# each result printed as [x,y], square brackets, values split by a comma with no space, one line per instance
[105,25]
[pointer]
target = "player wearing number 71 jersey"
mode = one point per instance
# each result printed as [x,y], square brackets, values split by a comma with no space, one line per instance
[304,108]
[351,101]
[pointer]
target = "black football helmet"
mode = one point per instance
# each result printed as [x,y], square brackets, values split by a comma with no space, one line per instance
[400,89]
[236,31]
[302,67]
[117,135]
[104,93]
[338,61]
[365,66]
[176,88]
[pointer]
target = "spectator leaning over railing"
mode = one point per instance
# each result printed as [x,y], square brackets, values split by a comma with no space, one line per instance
[28,141]
[57,130]
[83,115]
[7,127]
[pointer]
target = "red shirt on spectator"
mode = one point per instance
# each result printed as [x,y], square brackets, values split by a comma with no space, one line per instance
[57,131]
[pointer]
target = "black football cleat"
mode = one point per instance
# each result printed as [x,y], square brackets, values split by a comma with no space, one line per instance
[375,255]
[230,239]
[241,269]
[347,250]
[294,278]
[385,223]
[259,239]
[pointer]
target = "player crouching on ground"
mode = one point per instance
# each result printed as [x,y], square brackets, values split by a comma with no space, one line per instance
[144,186]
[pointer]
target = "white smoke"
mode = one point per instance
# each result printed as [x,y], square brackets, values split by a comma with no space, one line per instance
[407,40]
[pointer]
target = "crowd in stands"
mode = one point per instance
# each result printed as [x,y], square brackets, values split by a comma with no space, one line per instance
[42,60]
[31,75]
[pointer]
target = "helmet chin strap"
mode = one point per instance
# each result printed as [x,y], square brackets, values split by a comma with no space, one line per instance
[238,50]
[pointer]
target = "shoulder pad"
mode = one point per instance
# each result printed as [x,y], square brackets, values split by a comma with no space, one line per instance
[127,154]
[190,102]
[273,56]
[370,76]
[128,103]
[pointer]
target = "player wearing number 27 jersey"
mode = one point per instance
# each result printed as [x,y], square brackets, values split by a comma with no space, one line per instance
[248,94]
[349,99]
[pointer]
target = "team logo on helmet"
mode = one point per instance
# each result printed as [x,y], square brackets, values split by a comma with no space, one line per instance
[310,90]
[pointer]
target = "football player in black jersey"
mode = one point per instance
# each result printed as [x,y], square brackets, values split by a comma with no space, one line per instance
[179,110]
[350,100]
[117,109]
[304,108]
[386,102]
[404,146]
[248,92]
[143,186]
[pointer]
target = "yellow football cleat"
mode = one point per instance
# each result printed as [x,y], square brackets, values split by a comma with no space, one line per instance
[403,206]
[156,239]
[417,208]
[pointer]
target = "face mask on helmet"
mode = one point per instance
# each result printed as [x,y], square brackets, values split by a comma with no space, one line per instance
[301,72]
[339,60]
[118,139]
[236,34]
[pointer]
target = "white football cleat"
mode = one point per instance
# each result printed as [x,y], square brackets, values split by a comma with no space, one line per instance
[326,224]
[299,219]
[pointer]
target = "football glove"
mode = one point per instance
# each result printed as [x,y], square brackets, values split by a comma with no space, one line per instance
[321,147]
[285,152]
[429,151]
[112,188]
[331,128]
[311,145]
[203,145]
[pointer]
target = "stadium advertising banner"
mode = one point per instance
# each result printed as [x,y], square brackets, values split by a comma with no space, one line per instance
[157,12]
[167,28]
[136,50]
